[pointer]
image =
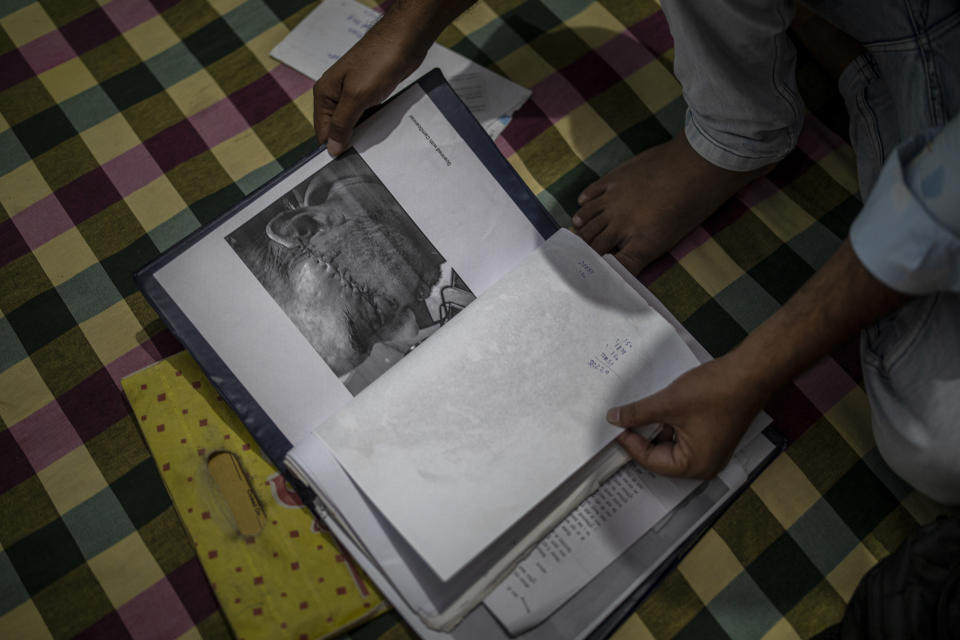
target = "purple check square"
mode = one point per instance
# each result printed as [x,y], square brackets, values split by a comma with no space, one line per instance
[625,54]
[218,122]
[93,405]
[12,244]
[175,145]
[162,345]
[505,149]
[652,272]
[42,221]
[792,411]
[132,361]
[294,83]
[728,213]
[47,51]
[825,384]
[14,465]
[756,192]
[689,242]
[590,75]
[45,436]
[528,122]
[89,30]
[259,99]
[163,5]
[654,33]
[556,97]
[132,169]
[14,69]
[89,194]
[191,585]
[109,626]
[157,613]
[126,14]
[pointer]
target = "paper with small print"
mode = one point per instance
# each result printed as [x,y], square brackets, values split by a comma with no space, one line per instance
[484,420]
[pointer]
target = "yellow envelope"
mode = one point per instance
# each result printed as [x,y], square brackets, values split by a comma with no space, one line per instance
[287,580]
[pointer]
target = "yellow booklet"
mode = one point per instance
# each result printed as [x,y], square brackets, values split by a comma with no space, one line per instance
[276,571]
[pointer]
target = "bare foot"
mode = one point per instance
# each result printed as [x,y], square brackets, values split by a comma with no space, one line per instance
[642,208]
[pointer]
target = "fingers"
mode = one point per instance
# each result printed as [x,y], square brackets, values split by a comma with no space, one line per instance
[344,118]
[320,118]
[664,458]
[326,94]
[659,458]
[667,433]
[336,110]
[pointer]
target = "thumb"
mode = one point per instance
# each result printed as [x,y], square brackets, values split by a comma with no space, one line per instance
[659,458]
[636,414]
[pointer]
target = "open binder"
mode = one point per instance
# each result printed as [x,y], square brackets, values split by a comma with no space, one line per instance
[402,234]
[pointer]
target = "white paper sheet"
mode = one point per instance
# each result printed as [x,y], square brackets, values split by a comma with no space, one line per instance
[634,499]
[604,526]
[479,425]
[386,564]
[589,539]
[606,592]
[464,212]
[335,25]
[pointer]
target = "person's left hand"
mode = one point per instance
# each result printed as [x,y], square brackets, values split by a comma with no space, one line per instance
[708,408]
[363,77]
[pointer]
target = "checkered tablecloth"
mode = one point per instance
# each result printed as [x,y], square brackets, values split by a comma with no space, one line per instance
[126,124]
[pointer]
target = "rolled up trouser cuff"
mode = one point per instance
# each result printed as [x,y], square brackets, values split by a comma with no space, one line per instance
[748,155]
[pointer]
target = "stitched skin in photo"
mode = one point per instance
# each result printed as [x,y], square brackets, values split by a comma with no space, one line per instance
[351,270]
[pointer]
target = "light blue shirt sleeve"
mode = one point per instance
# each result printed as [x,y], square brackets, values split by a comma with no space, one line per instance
[908,233]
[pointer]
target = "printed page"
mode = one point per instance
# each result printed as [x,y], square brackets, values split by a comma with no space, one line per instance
[318,286]
[604,525]
[540,598]
[482,422]
[336,25]
[610,521]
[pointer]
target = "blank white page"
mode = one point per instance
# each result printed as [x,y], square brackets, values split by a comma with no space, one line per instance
[469,432]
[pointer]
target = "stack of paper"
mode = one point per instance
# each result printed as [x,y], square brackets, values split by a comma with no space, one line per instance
[462,468]
[467,454]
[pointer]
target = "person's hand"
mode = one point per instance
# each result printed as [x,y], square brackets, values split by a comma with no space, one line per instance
[704,412]
[365,76]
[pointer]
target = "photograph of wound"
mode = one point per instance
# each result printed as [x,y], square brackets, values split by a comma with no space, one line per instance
[351,270]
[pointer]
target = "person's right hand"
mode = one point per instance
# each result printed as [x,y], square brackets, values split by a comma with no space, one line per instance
[708,408]
[365,76]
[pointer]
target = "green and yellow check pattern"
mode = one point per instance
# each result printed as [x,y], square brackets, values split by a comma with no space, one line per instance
[127,124]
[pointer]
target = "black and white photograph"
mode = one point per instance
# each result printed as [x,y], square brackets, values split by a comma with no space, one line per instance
[351,270]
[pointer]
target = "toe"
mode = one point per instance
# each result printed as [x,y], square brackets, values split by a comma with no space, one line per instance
[587,213]
[593,191]
[630,258]
[604,242]
[591,228]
